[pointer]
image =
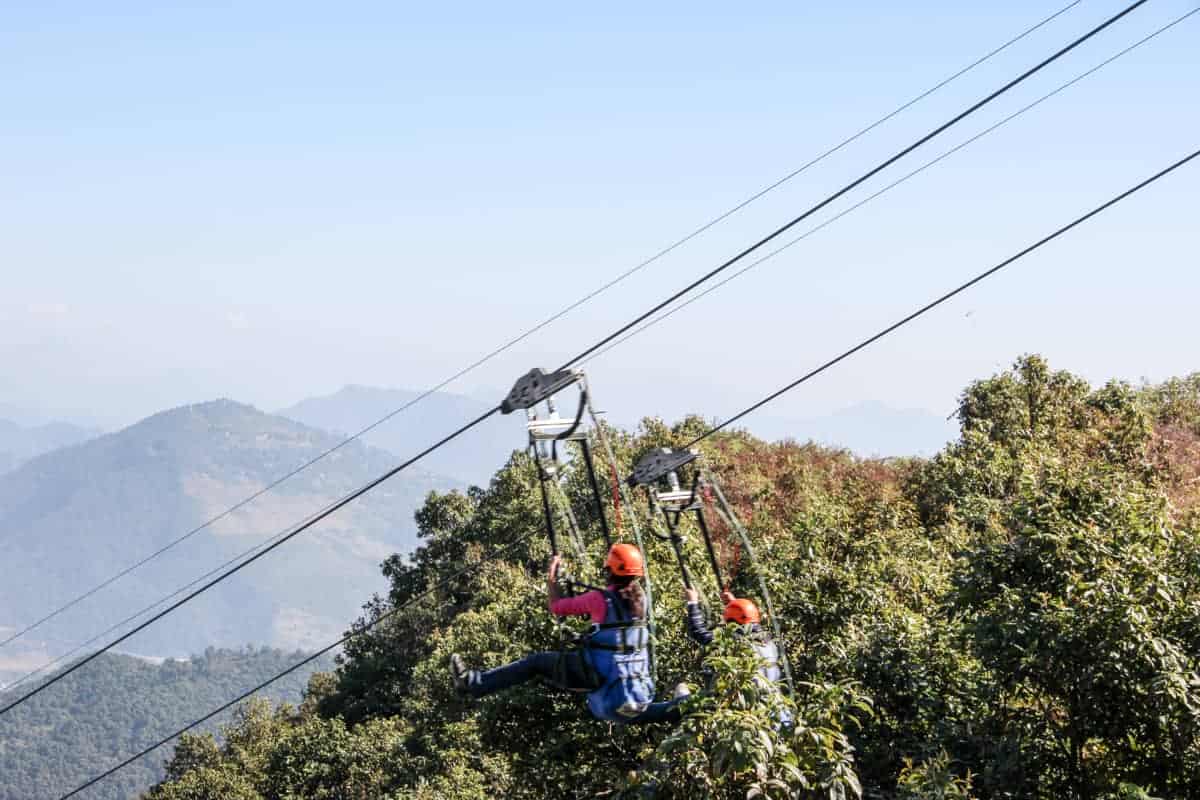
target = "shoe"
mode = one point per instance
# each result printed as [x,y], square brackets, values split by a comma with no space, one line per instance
[458,673]
[681,691]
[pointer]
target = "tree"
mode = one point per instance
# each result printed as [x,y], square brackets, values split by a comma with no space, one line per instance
[1017,617]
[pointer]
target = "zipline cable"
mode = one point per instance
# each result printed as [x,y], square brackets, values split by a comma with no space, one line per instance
[943,298]
[651,323]
[856,182]
[847,211]
[314,519]
[496,552]
[657,320]
[535,329]
[354,495]
[137,614]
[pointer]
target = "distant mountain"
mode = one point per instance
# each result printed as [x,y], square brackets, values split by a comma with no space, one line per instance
[868,429]
[120,704]
[22,416]
[473,458]
[85,418]
[19,443]
[70,518]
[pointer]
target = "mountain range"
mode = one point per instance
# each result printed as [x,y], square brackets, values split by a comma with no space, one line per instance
[19,443]
[866,429]
[72,517]
[471,459]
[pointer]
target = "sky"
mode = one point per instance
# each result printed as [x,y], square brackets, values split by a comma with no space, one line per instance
[269,201]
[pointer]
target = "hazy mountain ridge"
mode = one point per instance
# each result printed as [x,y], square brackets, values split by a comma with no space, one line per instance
[20,443]
[472,459]
[868,429]
[70,518]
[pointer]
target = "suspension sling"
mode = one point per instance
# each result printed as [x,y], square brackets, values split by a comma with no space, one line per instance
[622,500]
[731,519]
[652,469]
[545,431]
[663,464]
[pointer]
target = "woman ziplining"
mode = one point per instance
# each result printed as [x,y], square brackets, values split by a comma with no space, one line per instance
[612,661]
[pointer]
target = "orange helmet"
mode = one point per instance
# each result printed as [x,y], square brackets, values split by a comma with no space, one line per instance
[625,559]
[742,612]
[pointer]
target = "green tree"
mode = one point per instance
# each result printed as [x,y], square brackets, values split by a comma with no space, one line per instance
[1022,611]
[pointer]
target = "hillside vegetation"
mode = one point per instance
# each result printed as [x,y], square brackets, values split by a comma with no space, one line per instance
[1017,617]
[71,518]
[118,705]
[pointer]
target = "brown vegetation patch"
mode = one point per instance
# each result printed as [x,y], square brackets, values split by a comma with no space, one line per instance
[1175,456]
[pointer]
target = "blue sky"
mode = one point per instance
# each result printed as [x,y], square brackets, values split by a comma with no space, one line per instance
[267,202]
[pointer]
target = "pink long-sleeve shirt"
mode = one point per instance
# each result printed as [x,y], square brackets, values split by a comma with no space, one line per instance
[590,604]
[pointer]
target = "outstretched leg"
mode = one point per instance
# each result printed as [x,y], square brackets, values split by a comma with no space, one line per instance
[562,669]
[666,711]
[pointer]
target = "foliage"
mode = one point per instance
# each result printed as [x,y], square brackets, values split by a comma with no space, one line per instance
[934,779]
[1175,401]
[1017,617]
[731,742]
[284,754]
[118,705]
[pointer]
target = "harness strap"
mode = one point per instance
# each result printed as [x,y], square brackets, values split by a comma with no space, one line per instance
[608,626]
[615,648]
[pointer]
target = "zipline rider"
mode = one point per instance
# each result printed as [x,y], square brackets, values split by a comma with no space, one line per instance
[612,662]
[745,614]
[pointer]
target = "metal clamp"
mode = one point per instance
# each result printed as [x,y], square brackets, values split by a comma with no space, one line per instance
[658,464]
[536,386]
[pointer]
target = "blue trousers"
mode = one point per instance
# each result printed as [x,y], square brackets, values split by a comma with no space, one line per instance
[564,670]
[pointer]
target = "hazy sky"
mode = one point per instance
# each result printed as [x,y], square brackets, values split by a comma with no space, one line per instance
[267,201]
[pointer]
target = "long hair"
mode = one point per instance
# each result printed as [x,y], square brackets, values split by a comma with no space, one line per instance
[629,587]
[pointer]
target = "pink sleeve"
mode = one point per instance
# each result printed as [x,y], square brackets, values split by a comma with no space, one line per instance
[589,604]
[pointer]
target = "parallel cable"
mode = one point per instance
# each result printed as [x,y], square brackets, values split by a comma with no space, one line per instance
[858,181]
[495,553]
[354,495]
[313,520]
[851,209]
[535,329]
[943,298]
[137,614]
[651,323]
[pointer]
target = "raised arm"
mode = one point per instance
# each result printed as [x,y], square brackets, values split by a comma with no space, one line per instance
[589,604]
[552,581]
[697,627]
